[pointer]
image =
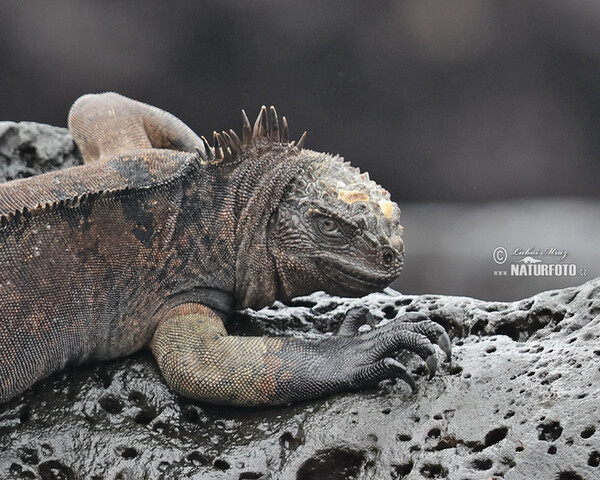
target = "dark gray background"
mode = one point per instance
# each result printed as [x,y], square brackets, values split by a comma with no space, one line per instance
[490,110]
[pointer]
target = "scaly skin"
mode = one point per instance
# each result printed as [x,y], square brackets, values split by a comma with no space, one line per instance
[158,237]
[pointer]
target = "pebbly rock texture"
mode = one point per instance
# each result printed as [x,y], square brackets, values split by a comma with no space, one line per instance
[520,400]
[28,149]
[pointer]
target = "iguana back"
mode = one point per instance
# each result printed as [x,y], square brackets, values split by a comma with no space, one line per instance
[82,251]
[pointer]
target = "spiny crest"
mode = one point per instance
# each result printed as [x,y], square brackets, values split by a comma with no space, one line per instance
[228,147]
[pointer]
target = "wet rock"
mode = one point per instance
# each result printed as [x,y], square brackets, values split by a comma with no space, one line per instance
[518,400]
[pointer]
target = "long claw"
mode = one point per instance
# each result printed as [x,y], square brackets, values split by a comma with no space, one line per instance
[391,292]
[431,363]
[401,373]
[445,345]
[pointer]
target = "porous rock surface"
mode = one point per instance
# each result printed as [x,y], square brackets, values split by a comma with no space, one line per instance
[28,148]
[520,400]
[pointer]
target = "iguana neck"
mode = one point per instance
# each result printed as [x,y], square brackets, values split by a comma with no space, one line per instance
[258,187]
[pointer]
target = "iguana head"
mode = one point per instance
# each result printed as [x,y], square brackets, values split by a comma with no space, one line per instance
[334,230]
[307,221]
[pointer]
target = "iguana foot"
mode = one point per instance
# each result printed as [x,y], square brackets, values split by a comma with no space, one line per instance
[199,360]
[370,354]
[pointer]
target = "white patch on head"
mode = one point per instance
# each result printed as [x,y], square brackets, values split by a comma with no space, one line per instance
[351,196]
[387,207]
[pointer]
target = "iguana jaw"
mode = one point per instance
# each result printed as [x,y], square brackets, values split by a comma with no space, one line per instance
[354,280]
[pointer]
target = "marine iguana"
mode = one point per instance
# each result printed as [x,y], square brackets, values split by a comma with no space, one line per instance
[159,236]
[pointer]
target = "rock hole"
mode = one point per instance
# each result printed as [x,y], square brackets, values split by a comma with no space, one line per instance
[144,416]
[508,330]
[479,327]
[389,311]
[494,436]
[551,449]
[250,476]
[403,437]
[198,459]
[29,456]
[54,470]
[445,443]
[111,404]
[137,398]
[569,475]
[509,414]
[333,464]
[434,433]
[191,414]
[104,378]
[288,441]
[221,464]
[482,463]
[490,349]
[15,469]
[433,470]
[386,411]
[475,446]
[403,302]
[437,416]
[24,414]
[400,471]
[519,448]
[28,154]
[128,453]
[550,431]
[588,432]
[594,459]
[454,369]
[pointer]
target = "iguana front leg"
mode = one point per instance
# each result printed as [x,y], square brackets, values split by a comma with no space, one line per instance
[199,360]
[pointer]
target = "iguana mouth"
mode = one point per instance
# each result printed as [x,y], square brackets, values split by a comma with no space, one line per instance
[355,279]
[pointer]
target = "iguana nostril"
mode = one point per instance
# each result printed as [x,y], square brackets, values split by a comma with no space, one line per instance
[388,257]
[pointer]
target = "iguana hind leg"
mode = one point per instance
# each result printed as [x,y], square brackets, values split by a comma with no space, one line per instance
[108,124]
[200,361]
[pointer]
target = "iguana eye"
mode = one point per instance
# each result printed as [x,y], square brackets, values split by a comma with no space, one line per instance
[328,226]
